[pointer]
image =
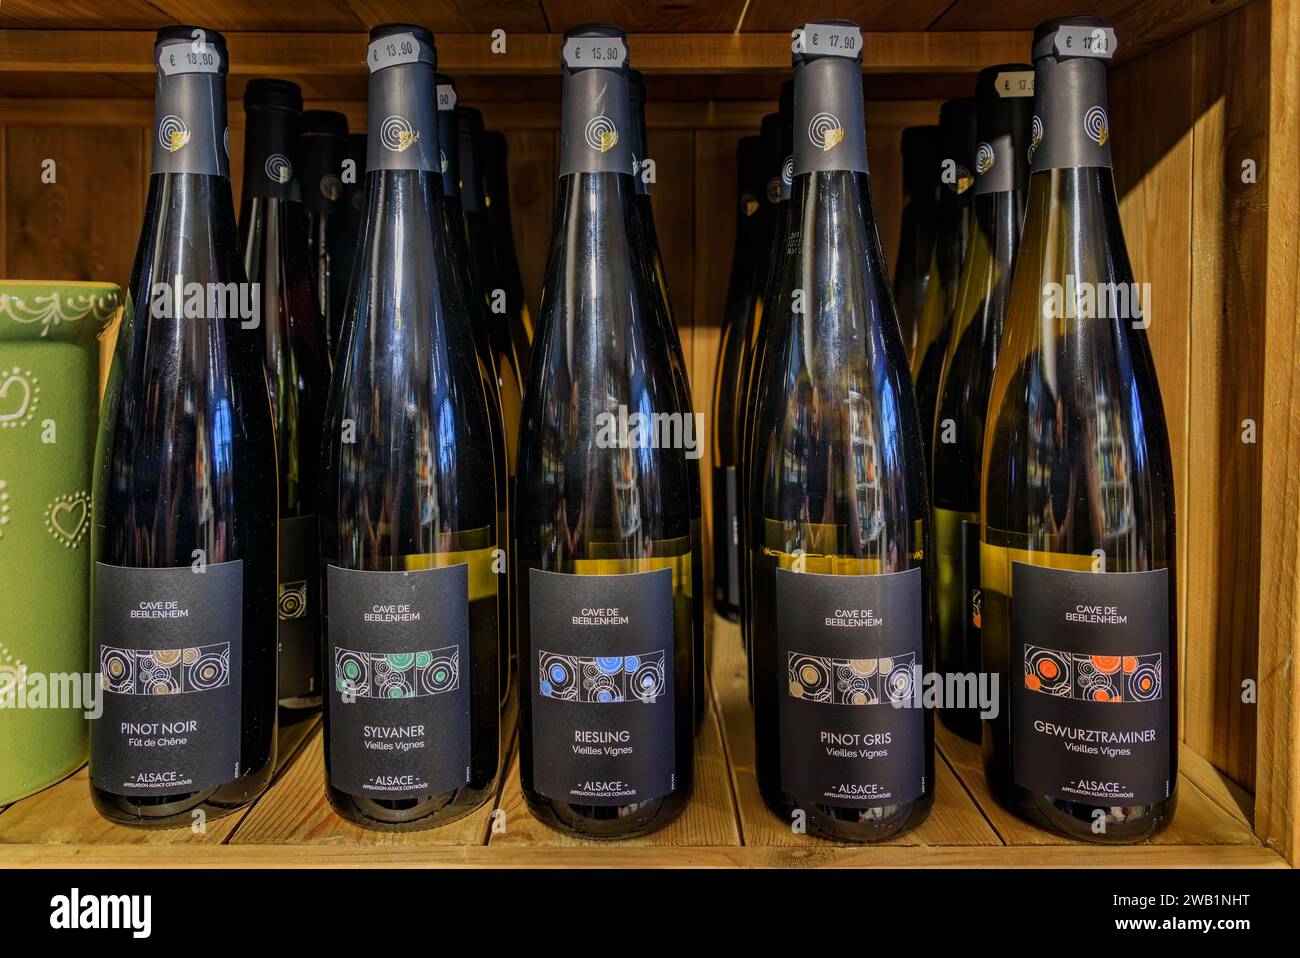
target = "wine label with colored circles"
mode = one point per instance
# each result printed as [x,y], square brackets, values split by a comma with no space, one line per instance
[850,662]
[1091,685]
[398,674]
[298,607]
[167,651]
[601,678]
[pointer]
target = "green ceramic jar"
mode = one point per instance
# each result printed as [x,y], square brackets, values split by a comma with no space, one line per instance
[49,408]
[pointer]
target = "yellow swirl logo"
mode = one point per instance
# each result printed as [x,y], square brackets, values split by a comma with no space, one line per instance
[825,131]
[601,134]
[397,134]
[173,133]
[278,168]
[1036,137]
[984,158]
[1095,125]
[331,187]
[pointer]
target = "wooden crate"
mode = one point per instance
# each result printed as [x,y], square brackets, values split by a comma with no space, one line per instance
[1201,90]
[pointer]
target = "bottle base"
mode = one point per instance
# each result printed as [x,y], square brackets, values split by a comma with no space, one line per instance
[179,811]
[963,722]
[851,826]
[409,815]
[607,822]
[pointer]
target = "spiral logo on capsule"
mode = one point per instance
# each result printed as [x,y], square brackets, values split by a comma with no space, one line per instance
[787,171]
[442,161]
[278,168]
[825,130]
[1036,136]
[601,134]
[331,187]
[173,133]
[1096,125]
[397,134]
[984,158]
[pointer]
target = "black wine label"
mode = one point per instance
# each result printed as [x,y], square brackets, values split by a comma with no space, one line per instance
[829,131]
[849,646]
[1004,103]
[1070,126]
[972,610]
[321,171]
[402,111]
[595,129]
[602,686]
[448,154]
[269,148]
[1090,705]
[298,603]
[732,531]
[398,663]
[168,649]
[190,133]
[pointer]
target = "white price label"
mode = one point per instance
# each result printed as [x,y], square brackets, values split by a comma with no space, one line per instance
[391,51]
[608,52]
[189,57]
[446,96]
[1015,83]
[1086,42]
[828,39]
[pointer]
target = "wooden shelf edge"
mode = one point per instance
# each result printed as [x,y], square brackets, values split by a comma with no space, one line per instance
[306,54]
[476,856]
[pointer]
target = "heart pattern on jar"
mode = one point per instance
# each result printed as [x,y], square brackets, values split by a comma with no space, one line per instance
[68,517]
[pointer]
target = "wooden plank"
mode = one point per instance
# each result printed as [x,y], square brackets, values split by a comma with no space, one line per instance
[1223,504]
[453,16]
[1277,811]
[1151,116]
[82,14]
[709,819]
[776,15]
[258,14]
[1199,819]
[606,856]
[296,811]
[955,819]
[82,226]
[307,54]
[63,814]
[681,16]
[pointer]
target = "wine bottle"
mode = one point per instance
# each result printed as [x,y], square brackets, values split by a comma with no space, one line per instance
[184,533]
[274,232]
[957,129]
[1004,100]
[322,148]
[753,238]
[1077,536]
[780,146]
[408,491]
[920,223]
[453,227]
[602,517]
[648,253]
[841,626]
[354,212]
[496,203]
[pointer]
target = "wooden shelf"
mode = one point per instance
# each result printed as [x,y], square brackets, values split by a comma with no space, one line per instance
[726,824]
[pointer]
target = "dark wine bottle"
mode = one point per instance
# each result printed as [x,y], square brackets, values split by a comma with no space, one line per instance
[496,202]
[409,536]
[1004,98]
[1077,540]
[920,223]
[453,228]
[184,534]
[748,263]
[354,213]
[957,130]
[274,233]
[322,148]
[842,623]
[602,510]
[780,148]
[650,256]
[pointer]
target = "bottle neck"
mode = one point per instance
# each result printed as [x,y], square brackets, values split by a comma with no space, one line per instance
[596,126]
[190,133]
[471,175]
[829,132]
[268,150]
[320,173]
[448,153]
[1071,125]
[403,119]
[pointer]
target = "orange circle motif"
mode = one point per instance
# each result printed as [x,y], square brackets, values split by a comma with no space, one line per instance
[1101,695]
[1048,669]
[1106,664]
[1032,682]
[1130,663]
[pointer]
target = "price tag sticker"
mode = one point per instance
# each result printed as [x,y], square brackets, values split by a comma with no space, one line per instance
[828,39]
[608,52]
[446,96]
[392,51]
[1015,83]
[1078,41]
[192,57]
